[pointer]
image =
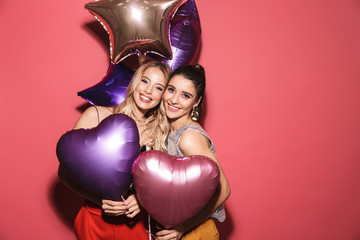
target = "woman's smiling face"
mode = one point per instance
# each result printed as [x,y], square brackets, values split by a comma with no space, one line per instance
[149,89]
[179,98]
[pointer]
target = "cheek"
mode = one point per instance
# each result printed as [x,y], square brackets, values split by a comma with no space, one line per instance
[140,86]
[165,96]
[187,104]
[157,95]
[137,89]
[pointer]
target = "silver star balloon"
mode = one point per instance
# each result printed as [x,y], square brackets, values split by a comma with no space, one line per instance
[136,26]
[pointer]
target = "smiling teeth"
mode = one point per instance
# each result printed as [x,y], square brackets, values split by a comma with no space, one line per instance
[175,108]
[145,98]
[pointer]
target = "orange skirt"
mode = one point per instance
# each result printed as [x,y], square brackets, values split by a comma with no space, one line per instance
[205,231]
[92,224]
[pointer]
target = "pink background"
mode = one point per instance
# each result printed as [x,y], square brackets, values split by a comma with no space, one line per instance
[283,108]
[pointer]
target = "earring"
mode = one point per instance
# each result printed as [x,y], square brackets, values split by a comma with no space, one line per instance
[195,116]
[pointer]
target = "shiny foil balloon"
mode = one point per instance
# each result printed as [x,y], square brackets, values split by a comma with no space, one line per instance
[100,158]
[185,35]
[111,90]
[136,27]
[173,189]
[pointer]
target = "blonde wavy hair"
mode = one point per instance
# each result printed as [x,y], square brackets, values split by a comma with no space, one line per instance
[156,122]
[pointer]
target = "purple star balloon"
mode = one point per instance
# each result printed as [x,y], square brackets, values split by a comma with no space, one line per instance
[185,35]
[111,90]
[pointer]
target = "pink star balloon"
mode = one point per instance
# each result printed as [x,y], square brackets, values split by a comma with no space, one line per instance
[136,27]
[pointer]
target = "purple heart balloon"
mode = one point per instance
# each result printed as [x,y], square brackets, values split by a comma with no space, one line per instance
[111,90]
[173,189]
[100,158]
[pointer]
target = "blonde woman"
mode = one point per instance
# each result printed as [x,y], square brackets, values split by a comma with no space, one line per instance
[106,219]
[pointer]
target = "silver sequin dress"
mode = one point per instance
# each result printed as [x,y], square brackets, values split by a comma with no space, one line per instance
[174,149]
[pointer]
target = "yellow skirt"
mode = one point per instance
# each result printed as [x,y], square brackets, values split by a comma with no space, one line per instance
[205,231]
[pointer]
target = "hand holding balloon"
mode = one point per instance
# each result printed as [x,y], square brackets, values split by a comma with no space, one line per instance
[114,208]
[132,205]
[174,233]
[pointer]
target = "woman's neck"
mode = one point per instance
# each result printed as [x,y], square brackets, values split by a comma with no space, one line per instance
[139,115]
[140,119]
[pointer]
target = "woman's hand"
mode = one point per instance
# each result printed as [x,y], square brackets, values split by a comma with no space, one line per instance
[170,234]
[114,208]
[132,205]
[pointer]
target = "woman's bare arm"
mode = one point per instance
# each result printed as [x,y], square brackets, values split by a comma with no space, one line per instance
[194,143]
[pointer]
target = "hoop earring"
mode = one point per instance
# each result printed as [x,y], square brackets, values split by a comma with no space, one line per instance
[195,116]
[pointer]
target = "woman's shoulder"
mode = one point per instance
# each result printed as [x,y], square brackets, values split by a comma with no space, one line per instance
[194,138]
[98,112]
[92,116]
[94,109]
[193,131]
[193,135]
[105,110]
[189,127]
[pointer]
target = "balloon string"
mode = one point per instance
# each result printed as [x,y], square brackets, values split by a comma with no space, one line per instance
[149,224]
[149,231]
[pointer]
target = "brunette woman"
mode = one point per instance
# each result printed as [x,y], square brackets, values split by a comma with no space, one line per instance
[183,100]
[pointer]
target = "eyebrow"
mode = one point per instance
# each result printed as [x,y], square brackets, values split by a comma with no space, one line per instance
[151,80]
[182,92]
[188,93]
[169,85]
[160,85]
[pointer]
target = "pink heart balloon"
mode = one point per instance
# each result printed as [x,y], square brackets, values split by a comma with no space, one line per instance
[173,189]
[100,158]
